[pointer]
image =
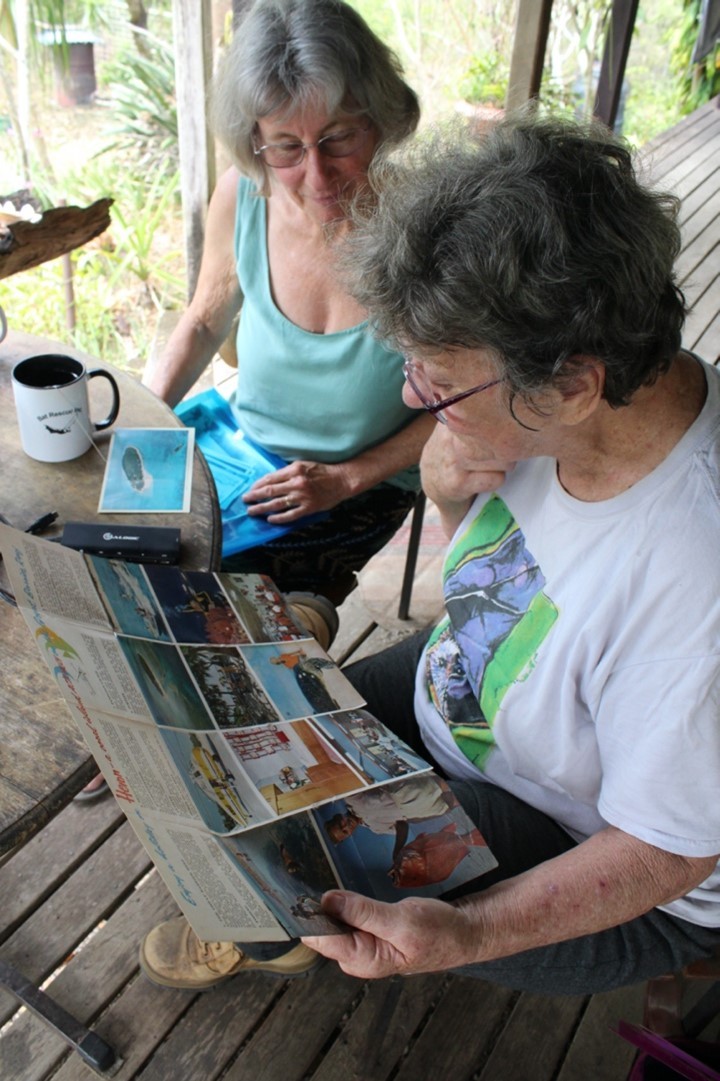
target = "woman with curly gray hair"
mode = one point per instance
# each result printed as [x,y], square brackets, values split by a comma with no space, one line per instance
[538,243]
[305,99]
[571,691]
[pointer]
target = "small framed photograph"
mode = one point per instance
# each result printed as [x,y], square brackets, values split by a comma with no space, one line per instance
[148,471]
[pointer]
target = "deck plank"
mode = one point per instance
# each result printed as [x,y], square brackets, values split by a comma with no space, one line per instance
[534,1041]
[702,329]
[49,859]
[699,260]
[206,1037]
[454,1043]
[596,1050]
[694,163]
[355,626]
[708,344]
[376,1035]
[666,141]
[292,1037]
[54,929]
[91,979]
[136,1023]
[707,193]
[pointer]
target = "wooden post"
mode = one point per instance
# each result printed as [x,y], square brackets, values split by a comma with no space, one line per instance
[22,29]
[68,288]
[193,69]
[532,25]
[615,54]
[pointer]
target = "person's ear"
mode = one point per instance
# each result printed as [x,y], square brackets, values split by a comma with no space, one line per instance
[582,389]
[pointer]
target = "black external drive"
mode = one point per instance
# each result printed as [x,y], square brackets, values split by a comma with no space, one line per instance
[134,544]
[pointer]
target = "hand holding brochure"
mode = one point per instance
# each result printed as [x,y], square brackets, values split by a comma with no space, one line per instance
[242,756]
[235,463]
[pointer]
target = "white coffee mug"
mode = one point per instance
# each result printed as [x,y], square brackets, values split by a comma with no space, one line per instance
[3,325]
[51,399]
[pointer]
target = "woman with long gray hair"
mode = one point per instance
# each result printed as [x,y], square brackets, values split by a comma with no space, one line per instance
[305,98]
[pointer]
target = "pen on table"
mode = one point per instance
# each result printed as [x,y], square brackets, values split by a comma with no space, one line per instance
[41,524]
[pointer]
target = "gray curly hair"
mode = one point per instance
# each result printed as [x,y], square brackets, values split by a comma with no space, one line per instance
[536,241]
[287,54]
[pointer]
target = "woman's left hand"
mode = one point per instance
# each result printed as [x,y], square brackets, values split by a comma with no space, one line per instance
[412,935]
[298,489]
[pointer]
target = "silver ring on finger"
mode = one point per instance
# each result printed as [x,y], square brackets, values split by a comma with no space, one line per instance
[288,502]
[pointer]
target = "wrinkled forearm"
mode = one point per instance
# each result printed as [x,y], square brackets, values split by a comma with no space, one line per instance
[607,880]
[603,882]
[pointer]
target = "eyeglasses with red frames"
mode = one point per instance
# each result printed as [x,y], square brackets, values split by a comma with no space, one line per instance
[434,405]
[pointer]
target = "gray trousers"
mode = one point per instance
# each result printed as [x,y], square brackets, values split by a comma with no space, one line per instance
[520,838]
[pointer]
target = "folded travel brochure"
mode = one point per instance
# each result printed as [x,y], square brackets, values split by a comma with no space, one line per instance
[235,463]
[244,759]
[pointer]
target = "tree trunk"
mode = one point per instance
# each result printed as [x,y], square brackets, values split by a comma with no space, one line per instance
[138,20]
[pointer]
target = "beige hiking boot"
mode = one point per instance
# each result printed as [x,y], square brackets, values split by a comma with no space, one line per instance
[173,956]
[316,614]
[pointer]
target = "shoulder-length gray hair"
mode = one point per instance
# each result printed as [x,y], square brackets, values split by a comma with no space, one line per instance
[536,241]
[287,54]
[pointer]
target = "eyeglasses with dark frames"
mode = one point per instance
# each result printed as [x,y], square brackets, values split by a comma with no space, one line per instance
[339,144]
[434,405]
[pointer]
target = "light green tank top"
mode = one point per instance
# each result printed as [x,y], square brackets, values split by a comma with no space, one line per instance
[323,397]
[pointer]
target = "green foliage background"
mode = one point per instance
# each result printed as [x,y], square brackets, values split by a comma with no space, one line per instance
[459,50]
[456,53]
[125,147]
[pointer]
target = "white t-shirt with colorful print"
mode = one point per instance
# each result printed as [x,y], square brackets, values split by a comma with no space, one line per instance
[578,666]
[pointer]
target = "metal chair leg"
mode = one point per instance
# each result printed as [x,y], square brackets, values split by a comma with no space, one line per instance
[91,1047]
[412,554]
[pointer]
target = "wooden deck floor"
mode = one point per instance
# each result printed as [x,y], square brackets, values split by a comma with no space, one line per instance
[684,160]
[76,900]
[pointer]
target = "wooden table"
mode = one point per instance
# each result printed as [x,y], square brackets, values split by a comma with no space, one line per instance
[44,761]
